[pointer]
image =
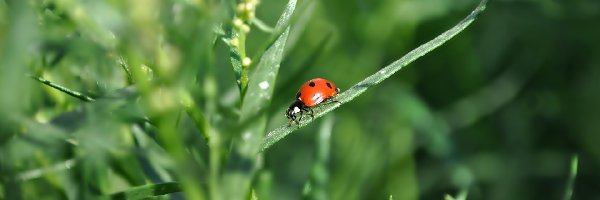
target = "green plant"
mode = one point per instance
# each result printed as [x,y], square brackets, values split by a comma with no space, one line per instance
[386,72]
[157,118]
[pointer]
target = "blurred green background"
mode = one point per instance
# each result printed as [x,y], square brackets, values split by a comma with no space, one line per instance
[498,112]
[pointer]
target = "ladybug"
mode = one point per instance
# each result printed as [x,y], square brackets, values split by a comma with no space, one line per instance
[312,93]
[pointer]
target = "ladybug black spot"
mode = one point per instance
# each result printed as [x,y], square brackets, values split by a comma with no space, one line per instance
[329,85]
[311,84]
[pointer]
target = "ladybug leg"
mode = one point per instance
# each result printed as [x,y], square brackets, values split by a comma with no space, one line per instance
[333,100]
[330,100]
[295,119]
[312,113]
[292,119]
[301,115]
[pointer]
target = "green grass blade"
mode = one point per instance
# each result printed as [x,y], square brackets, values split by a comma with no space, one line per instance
[281,27]
[461,196]
[279,133]
[147,191]
[39,172]
[572,175]
[262,84]
[68,91]
[238,177]
[320,174]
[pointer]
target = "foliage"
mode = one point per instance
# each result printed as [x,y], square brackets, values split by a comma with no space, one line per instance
[185,99]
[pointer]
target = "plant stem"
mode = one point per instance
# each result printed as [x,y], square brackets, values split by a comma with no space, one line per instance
[68,91]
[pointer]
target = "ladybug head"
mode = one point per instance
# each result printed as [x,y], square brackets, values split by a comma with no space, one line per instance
[295,108]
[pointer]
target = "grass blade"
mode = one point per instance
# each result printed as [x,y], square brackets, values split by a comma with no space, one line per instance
[281,27]
[319,178]
[147,191]
[461,196]
[238,177]
[279,133]
[263,78]
[68,91]
[37,173]
[572,175]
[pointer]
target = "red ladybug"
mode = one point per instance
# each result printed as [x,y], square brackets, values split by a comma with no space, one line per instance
[312,93]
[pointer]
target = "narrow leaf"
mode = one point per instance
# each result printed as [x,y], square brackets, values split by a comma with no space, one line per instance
[260,88]
[571,180]
[279,133]
[67,91]
[257,97]
[147,191]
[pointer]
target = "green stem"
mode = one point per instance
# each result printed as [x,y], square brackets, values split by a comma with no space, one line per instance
[123,64]
[262,25]
[245,69]
[213,140]
[238,53]
[199,120]
[68,91]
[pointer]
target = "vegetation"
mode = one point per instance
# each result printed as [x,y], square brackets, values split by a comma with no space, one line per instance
[185,99]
